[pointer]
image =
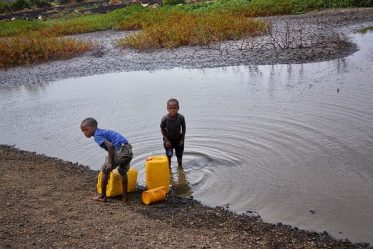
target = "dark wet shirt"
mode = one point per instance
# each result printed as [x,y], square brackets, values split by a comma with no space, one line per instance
[173,126]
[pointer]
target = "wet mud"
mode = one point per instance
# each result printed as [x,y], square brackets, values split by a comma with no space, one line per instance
[304,38]
[46,204]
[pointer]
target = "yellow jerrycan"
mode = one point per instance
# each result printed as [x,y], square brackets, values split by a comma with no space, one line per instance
[153,195]
[157,172]
[114,186]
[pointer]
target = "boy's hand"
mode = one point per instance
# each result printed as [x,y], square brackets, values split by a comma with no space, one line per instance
[109,167]
[168,144]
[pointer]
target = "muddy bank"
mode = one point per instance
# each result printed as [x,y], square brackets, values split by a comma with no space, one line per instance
[315,37]
[46,203]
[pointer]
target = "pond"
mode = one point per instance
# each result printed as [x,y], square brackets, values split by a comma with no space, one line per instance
[291,142]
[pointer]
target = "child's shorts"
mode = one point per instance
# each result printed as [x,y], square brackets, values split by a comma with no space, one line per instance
[122,159]
[179,150]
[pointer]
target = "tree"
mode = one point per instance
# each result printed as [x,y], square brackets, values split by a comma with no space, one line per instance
[20,4]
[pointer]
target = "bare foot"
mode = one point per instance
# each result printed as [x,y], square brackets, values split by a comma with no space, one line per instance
[125,200]
[99,198]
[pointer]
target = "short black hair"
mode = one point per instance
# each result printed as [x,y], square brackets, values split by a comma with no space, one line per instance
[174,101]
[90,121]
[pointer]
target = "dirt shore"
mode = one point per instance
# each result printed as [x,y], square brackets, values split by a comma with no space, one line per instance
[46,204]
[317,36]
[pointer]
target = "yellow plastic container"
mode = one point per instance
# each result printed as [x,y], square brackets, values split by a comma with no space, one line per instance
[132,179]
[157,172]
[114,186]
[153,195]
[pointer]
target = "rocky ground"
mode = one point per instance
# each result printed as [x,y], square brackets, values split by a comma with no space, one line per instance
[45,203]
[304,38]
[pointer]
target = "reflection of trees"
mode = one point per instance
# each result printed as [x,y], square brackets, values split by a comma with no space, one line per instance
[35,88]
[341,64]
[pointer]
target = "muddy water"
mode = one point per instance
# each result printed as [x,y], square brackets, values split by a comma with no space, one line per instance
[291,142]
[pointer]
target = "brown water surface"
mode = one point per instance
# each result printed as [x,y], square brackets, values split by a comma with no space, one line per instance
[291,142]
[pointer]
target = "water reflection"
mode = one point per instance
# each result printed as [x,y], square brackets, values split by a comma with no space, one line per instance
[36,88]
[180,183]
[365,30]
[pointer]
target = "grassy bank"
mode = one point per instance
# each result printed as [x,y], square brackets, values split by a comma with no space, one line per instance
[254,8]
[30,49]
[182,29]
[166,26]
[135,16]
[75,25]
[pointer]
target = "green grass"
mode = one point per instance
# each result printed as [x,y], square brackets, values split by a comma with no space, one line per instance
[250,8]
[75,25]
[10,28]
[365,30]
[91,23]
[304,6]
[273,7]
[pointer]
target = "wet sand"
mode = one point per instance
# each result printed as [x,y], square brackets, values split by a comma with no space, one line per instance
[324,37]
[46,204]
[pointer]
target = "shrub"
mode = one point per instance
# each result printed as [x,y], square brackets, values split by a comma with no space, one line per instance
[63,1]
[172,2]
[30,49]
[4,7]
[363,3]
[40,3]
[182,29]
[20,5]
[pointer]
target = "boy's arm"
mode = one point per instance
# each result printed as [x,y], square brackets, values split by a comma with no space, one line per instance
[110,150]
[167,141]
[183,131]
[164,134]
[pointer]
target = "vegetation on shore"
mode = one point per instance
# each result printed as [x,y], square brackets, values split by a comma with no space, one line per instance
[30,49]
[183,28]
[10,6]
[365,30]
[167,26]
[136,16]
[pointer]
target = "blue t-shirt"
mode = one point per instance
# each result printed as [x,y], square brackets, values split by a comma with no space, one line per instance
[112,136]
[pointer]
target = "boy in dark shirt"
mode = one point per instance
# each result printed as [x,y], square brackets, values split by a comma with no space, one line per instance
[119,154]
[173,130]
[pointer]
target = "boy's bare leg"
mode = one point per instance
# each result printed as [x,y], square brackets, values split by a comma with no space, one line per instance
[102,196]
[180,162]
[125,186]
[169,162]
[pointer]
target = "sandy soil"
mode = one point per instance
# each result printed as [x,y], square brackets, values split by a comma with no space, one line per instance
[324,36]
[45,203]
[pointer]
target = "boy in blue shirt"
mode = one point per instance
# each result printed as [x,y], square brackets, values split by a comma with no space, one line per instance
[173,129]
[119,154]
